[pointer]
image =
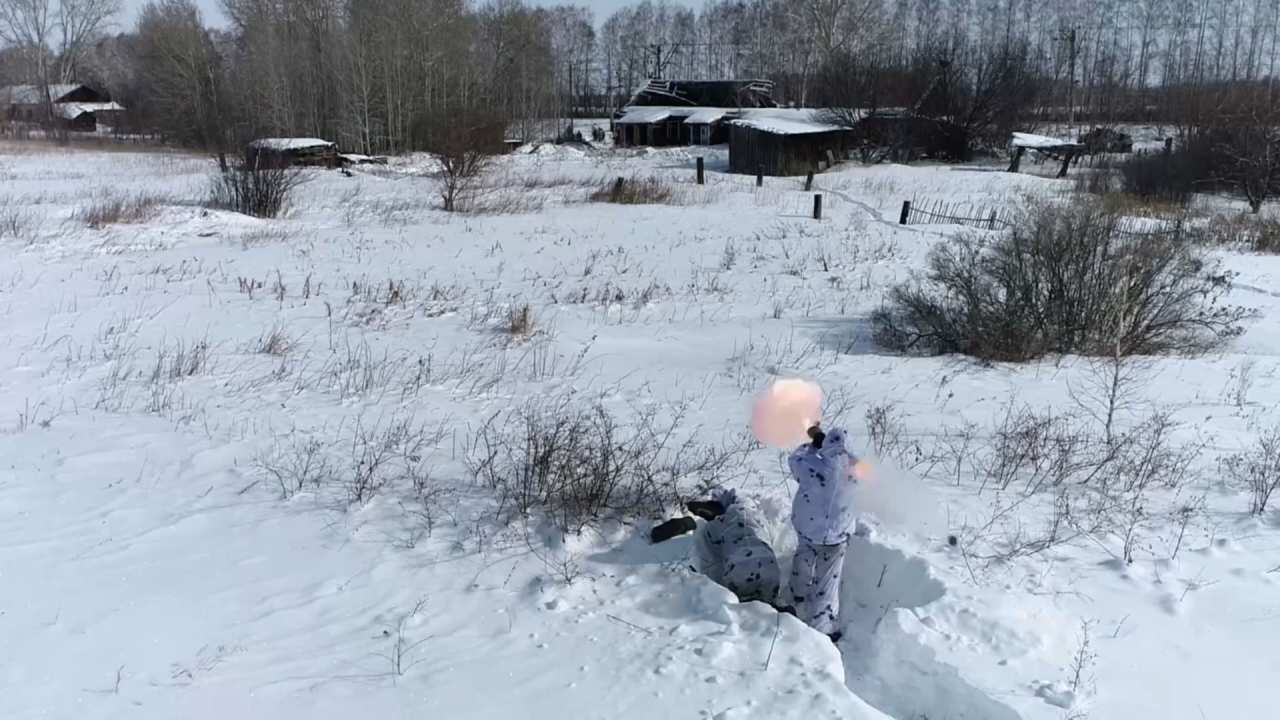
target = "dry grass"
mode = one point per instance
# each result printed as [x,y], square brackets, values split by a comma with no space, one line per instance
[1119,203]
[635,191]
[1255,233]
[112,209]
[20,223]
[274,341]
[520,321]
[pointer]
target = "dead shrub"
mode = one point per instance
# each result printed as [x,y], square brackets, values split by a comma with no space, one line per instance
[578,464]
[113,209]
[258,192]
[296,466]
[1257,469]
[635,191]
[384,456]
[1062,280]
[1097,488]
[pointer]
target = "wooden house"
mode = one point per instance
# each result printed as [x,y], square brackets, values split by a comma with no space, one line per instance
[78,107]
[687,112]
[88,117]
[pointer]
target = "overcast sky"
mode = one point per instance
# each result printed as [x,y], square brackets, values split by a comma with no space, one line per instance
[602,8]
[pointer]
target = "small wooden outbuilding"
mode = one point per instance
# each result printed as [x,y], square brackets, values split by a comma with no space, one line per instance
[287,152]
[785,142]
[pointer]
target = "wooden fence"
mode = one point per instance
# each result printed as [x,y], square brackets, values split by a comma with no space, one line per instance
[943,214]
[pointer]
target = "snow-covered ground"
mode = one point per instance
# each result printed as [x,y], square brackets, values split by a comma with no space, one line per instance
[155,372]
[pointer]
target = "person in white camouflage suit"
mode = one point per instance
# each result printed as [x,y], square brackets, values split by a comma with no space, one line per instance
[732,549]
[823,516]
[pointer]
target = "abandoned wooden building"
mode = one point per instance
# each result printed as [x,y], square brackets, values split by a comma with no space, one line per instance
[75,107]
[288,152]
[687,112]
[786,142]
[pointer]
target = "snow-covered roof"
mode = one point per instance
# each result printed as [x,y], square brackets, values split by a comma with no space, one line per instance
[31,94]
[785,121]
[647,114]
[1040,142]
[71,111]
[706,116]
[289,143]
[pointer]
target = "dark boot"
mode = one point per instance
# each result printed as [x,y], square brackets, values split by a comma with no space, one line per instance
[835,636]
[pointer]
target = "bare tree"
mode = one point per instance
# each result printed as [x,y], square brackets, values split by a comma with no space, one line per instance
[28,25]
[79,23]
[184,77]
[1252,155]
[462,141]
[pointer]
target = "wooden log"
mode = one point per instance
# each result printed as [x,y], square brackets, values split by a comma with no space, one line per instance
[817,207]
[760,176]
[906,212]
[808,182]
[702,177]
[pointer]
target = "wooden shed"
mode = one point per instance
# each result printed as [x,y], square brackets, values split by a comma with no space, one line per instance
[286,152]
[785,145]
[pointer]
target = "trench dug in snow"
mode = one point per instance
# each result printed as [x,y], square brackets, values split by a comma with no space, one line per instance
[887,666]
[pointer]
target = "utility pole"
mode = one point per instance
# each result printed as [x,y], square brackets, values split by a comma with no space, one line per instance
[1069,36]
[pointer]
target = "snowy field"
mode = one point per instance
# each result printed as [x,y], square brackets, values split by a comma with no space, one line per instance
[196,521]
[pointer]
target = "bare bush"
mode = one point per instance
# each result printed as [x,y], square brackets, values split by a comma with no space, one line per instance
[1097,488]
[296,465]
[1064,280]
[258,192]
[1257,469]
[578,463]
[384,456]
[635,191]
[114,209]
[1169,179]
[884,427]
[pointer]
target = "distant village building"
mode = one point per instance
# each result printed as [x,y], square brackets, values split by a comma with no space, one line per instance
[288,152]
[75,107]
[687,112]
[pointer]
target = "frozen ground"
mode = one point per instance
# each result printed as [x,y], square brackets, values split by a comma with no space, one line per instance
[151,567]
